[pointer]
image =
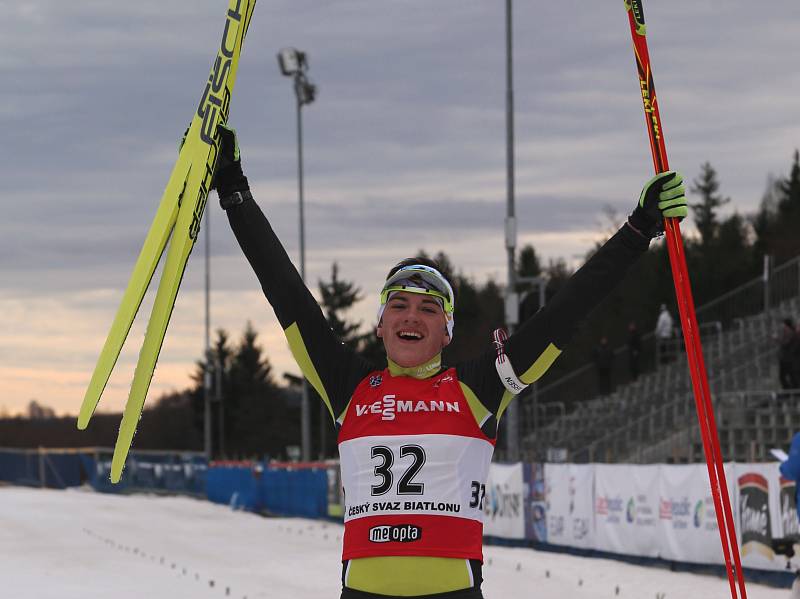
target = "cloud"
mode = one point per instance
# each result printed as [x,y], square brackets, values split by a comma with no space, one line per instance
[404,147]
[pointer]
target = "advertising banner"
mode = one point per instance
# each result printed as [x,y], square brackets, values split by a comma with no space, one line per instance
[535,502]
[503,506]
[687,521]
[569,493]
[626,509]
[758,514]
[789,525]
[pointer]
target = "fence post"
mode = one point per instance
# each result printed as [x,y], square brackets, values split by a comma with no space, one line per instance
[42,472]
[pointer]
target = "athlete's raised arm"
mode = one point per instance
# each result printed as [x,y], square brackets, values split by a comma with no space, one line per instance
[331,367]
[531,350]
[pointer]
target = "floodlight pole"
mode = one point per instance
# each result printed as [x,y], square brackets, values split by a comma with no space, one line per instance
[304,92]
[305,409]
[207,369]
[512,298]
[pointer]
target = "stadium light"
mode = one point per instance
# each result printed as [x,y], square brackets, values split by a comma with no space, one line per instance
[294,63]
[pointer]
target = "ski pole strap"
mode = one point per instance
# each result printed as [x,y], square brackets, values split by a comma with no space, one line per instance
[503,365]
[234,199]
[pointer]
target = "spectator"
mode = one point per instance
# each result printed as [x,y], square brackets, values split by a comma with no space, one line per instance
[796,356]
[634,350]
[603,362]
[787,349]
[664,332]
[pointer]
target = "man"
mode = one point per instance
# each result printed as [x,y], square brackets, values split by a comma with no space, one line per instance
[604,365]
[634,350]
[416,437]
[787,346]
[664,328]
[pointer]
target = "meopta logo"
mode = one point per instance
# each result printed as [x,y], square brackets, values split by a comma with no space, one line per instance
[389,406]
[401,533]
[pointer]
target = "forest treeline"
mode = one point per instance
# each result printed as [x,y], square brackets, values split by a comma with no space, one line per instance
[259,412]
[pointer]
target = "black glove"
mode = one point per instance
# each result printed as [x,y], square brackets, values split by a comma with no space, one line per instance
[663,196]
[228,176]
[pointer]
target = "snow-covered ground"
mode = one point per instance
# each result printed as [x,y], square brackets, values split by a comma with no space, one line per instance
[79,545]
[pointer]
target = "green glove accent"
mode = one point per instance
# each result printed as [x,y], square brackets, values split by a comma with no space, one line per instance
[663,196]
[229,146]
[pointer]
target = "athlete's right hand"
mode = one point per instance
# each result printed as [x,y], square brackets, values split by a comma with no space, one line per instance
[229,155]
[228,176]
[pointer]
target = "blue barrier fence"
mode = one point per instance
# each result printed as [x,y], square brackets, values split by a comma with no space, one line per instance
[246,485]
[285,491]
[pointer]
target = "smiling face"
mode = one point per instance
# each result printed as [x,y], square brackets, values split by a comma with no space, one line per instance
[413,328]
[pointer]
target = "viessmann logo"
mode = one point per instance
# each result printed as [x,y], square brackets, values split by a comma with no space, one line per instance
[389,406]
[402,533]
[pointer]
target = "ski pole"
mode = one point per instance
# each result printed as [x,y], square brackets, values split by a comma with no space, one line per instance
[683,292]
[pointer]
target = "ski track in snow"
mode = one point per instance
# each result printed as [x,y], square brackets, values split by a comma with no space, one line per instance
[78,544]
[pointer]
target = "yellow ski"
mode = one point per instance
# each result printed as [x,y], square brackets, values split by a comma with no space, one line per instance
[196,162]
[146,264]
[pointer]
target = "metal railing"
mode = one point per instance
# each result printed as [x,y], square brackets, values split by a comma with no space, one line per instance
[629,442]
[762,294]
[737,357]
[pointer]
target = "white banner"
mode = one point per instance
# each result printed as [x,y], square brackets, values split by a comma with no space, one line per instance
[687,520]
[504,514]
[626,509]
[569,490]
[667,511]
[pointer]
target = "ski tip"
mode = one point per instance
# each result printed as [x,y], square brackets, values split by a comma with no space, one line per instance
[85,415]
[117,466]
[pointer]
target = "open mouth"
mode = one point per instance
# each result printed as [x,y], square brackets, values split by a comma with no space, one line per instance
[410,335]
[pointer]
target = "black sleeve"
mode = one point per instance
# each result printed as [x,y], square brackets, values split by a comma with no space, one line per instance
[542,337]
[332,368]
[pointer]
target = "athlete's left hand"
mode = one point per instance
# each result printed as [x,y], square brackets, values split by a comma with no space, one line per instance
[663,196]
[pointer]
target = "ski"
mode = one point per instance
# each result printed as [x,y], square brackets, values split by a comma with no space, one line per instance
[145,266]
[180,213]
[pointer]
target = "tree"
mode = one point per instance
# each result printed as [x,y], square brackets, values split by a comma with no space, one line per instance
[789,190]
[705,211]
[220,360]
[37,411]
[778,219]
[528,265]
[339,296]
[262,421]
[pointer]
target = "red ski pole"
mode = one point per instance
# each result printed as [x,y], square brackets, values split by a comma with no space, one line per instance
[683,293]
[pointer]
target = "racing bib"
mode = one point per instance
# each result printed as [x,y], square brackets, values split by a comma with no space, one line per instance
[414,467]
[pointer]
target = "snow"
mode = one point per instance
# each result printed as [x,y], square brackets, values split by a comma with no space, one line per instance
[78,544]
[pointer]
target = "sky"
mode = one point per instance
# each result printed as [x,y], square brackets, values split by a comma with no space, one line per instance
[81,545]
[404,150]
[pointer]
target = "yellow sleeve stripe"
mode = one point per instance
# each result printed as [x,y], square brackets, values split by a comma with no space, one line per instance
[300,353]
[534,373]
[540,366]
[479,411]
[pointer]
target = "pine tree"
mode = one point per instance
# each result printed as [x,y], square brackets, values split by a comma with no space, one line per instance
[789,190]
[262,422]
[339,296]
[705,211]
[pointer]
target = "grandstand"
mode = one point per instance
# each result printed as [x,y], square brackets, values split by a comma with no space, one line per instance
[653,419]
